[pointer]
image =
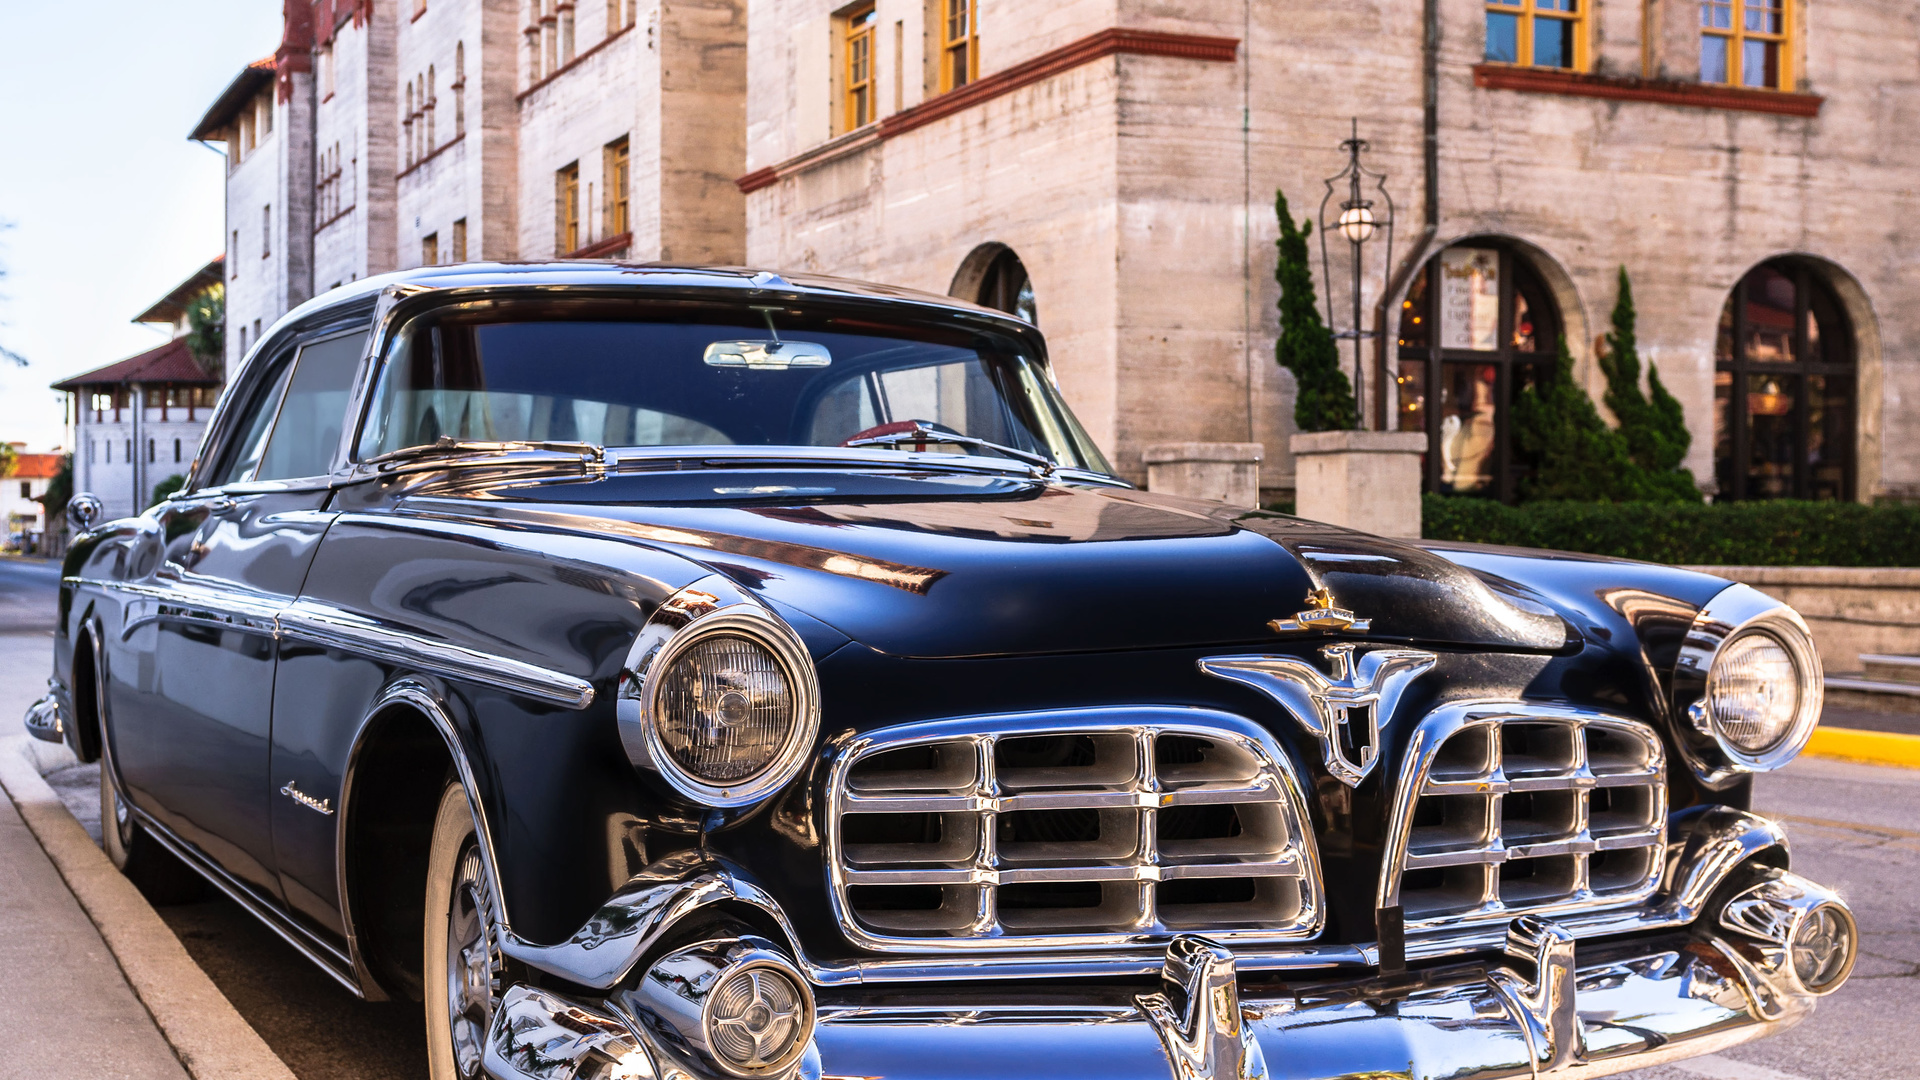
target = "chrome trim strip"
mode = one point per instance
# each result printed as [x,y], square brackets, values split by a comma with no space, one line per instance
[1735,610]
[324,624]
[323,954]
[1323,705]
[982,795]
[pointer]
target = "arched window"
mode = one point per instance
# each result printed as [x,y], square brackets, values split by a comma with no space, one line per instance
[1477,325]
[1783,388]
[1007,287]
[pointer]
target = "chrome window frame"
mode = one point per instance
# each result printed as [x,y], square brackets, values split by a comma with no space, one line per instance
[1141,722]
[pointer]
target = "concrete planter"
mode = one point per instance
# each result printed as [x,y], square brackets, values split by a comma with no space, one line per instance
[1223,472]
[1365,480]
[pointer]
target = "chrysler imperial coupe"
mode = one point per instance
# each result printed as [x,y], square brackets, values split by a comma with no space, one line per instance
[713,674]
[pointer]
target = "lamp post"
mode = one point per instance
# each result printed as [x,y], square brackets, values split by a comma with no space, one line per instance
[1359,220]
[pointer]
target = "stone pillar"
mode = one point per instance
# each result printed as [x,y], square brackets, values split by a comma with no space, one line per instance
[1222,472]
[1364,480]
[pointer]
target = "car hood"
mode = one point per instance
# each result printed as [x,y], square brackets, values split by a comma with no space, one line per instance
[970,566]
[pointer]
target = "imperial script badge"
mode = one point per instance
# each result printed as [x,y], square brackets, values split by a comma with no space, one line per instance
[1344,710]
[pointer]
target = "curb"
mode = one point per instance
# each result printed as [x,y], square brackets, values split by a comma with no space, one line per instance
[209,1036]
[1869,747]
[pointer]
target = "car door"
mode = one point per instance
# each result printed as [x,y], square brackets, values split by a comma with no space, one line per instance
[236,551]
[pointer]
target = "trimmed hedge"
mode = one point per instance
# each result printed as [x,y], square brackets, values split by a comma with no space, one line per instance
[1769,533]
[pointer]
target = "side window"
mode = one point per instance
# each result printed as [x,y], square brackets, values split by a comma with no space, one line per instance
[308,429]
[250,436]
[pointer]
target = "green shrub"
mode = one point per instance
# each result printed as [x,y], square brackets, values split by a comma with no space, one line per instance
[1652,423]
[1770,533]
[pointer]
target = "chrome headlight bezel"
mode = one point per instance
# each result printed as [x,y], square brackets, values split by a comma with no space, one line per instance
[711,607]
[1735,613]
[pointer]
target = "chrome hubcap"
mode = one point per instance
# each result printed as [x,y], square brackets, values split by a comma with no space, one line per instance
[473,963]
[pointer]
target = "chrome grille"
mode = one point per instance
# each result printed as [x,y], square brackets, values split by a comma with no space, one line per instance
[1511,809]
[1069,829]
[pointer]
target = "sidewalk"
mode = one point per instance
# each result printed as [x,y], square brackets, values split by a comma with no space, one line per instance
[62,994]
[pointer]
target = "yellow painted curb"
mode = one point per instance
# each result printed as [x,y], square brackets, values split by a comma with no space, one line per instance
[1872,747]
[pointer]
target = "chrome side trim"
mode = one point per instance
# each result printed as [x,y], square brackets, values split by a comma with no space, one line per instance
[714,604]
[323,624]
[1734,611]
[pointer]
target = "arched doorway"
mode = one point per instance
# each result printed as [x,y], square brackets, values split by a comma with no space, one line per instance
[1478,325]
[1785,388]
[993,276]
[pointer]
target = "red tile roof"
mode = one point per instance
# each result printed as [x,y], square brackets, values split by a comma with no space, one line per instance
[35,466]
[252,79]
[170,363]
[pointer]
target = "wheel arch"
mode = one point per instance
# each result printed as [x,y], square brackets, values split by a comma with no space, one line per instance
[404,753]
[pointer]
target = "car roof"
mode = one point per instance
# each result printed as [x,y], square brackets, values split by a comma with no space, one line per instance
[665,277]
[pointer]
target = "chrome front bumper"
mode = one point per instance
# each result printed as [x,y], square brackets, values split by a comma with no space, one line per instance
[1731,979]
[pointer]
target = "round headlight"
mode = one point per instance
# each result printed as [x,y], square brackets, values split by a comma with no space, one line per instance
[726,709]
[724,705]
[757,1020]
[1753,692]
[1823,949]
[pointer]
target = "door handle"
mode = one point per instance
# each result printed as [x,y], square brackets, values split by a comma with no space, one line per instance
[222,506]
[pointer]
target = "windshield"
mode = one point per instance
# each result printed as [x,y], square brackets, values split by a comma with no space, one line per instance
[626,375]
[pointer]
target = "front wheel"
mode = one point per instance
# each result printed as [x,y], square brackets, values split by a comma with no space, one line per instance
[159,874]
[462,961]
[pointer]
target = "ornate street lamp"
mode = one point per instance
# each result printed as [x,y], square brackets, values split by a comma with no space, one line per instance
[1359,219]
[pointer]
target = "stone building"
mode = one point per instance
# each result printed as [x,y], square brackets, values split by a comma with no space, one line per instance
[1108,168]
[20,494]
[138,421]
[388,134]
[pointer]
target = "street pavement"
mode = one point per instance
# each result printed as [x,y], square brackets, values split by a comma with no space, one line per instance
[1855,827]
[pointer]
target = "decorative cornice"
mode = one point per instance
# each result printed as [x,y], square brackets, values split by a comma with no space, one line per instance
[603,247]
[437,151]
[1661,92]
[1109,42]
[578,59]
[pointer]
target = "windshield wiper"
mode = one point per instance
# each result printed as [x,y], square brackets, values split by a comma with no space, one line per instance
[924,433]
[448,446]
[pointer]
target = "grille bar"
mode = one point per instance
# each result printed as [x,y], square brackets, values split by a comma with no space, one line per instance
[1506,809]
[1070,829]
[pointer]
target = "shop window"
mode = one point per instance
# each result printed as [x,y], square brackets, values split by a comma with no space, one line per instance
[430,249]
[1477,327]
[856,75]
[1746,43]
[1537,33]
[1784,388]
[460,241]
[1003,283]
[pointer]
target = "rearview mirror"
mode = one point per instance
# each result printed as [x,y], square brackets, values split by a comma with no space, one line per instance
[768,355]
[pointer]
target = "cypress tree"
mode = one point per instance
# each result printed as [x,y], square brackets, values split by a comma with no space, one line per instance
[1655,430]
[1574,453]
[1323,398]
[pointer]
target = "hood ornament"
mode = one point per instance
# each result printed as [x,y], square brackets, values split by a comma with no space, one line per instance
[1322,614]
[1344,710]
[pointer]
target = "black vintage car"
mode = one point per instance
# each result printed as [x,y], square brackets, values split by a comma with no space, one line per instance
[713,674]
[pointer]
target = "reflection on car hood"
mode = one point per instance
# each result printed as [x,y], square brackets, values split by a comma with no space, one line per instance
[933,565]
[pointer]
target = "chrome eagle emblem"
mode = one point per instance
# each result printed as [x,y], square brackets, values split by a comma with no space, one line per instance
[1344,710]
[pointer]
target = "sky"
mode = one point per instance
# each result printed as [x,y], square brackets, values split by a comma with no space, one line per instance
[110,206]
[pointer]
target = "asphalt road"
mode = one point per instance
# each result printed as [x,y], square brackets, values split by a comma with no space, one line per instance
[1855,827]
